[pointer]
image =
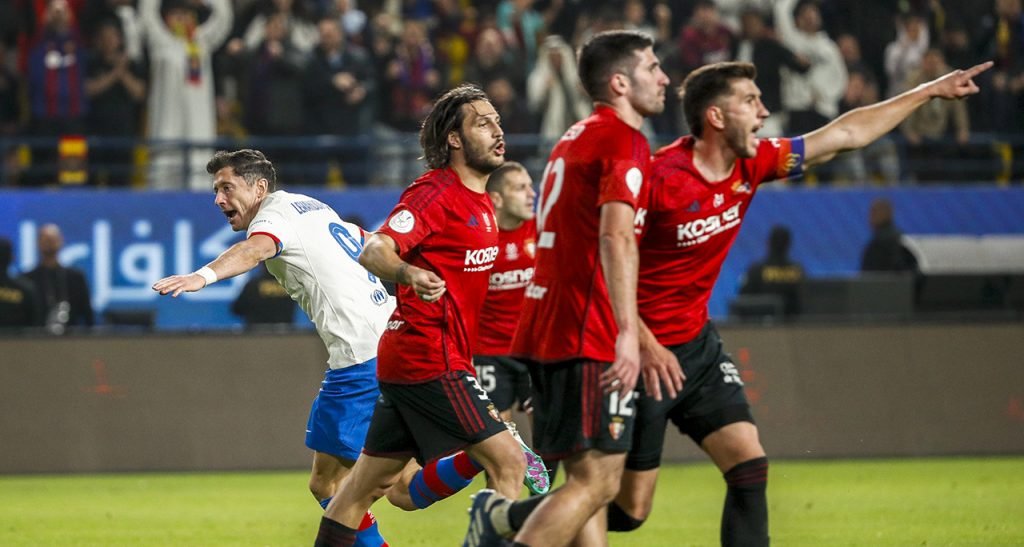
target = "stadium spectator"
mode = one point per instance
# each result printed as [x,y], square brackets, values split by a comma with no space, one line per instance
[522,26]
[903,55]
[181,98]
[298,238]
[63,291]
[811,99]
[1002,40]
[885,251]
[733,11]
[516,117]
[264,302]
[452,33]
[553,93]
[705,39]
[492,60]
[849,48]
[777,274]
[937,134]
[413,78]
[302,33]
[58,103]
[878,161]
[340,86]
[431,403]
[19,306]
[714,174]
[116,87]
[12,86]
[353,20]
[759,46]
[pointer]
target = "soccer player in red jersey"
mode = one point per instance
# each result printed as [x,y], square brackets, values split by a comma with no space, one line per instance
[439,244]
[701,187]
[579,326]
[506,379]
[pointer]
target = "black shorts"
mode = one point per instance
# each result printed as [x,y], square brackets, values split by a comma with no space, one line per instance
[712,398]
[505,380]
[571,413]
[432,419]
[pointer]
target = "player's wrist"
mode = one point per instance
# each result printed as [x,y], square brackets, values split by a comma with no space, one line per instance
[402,273]
[209,276]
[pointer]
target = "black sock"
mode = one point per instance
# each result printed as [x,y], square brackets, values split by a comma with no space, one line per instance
[745,516]
[334,534]
[519,511]
[621,521]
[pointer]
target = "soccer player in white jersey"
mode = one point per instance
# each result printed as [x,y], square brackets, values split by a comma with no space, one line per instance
[314,255]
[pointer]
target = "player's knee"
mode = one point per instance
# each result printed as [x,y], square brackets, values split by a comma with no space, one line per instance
[748,475]
[322,486]
[621,521]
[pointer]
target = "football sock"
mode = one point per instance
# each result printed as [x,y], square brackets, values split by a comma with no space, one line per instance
[334,534]
[325,502]
[368,534]
[441,478]
[519,511]
[745,516]
[621,521]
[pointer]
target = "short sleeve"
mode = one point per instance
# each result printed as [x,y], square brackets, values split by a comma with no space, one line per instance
[779,158]
[272,224]
[413,219]
[623,171]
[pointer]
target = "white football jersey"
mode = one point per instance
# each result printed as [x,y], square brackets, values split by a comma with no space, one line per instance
[317,263]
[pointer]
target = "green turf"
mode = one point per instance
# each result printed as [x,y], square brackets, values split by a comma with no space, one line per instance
[876,502]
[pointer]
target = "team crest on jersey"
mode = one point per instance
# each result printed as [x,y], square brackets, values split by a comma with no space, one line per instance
[719,200]
[402,221]
[511,251]
[616,427]
[493,412]
[741,187]
[530,246]
[634,180]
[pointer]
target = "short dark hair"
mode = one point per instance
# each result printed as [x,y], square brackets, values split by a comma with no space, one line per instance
[606,53]
[247,163]
[706,85]
[446,116]
[496,180]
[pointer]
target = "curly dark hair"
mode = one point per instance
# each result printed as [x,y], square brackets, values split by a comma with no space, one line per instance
[247,163]
[446,116]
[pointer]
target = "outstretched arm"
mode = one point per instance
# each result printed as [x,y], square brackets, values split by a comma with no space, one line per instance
[380,257]
[238,259]
[859,127]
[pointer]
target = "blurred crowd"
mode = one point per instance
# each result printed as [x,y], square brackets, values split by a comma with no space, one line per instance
[194,71]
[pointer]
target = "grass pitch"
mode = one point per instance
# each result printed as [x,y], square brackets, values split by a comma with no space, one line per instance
[813,503]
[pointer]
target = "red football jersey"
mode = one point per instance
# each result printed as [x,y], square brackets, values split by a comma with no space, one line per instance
[512,271]
[567,313]
[441,226]
[691,224]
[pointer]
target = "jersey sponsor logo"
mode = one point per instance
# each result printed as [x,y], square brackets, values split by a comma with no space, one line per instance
[741,187]
[395,324]
[379,297]
[634,180]
[700,230]
[512,279]
[639,219]
[402,221]
[535,292]
[478,260]
[730,374]
[308,205]
[573,132]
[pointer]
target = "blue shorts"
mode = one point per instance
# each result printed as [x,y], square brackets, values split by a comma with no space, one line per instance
[342,410]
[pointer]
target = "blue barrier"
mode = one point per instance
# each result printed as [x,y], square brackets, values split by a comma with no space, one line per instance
[125,240]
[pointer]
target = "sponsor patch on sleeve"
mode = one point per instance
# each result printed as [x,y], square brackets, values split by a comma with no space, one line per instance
[402,222]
